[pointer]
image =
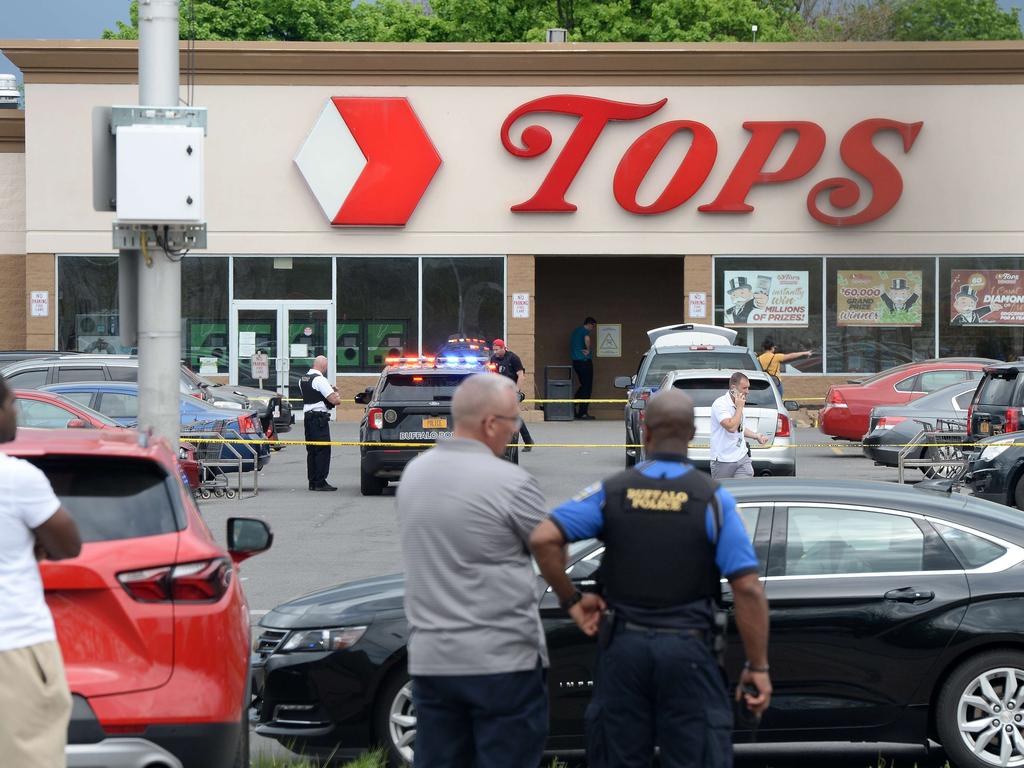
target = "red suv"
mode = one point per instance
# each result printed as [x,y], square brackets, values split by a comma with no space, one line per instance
[150,616]
[847,407]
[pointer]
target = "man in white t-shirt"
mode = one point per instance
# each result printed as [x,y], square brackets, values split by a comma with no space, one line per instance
[729,454]
[34,699]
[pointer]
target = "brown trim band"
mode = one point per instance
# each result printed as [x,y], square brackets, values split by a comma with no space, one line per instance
[12,130]
[285,63]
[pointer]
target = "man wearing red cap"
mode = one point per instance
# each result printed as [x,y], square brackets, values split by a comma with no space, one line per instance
[507,363]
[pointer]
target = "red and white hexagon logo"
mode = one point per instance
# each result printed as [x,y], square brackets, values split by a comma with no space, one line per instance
[368,161]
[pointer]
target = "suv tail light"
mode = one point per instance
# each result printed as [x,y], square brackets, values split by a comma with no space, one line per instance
[970,419]
[204,581]
[375,418]
[835,399]
[246,425]
[888,422]
[782,426]
[1012,423]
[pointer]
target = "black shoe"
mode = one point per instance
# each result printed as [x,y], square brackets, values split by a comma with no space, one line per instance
[586,417]
[527,447]
[323,487]
[311,487]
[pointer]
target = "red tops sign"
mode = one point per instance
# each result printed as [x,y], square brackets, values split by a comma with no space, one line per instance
[857,151]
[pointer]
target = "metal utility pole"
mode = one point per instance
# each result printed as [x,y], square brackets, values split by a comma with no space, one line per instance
[159,278]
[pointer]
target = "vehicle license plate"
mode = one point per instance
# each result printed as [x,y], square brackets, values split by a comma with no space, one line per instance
[439,423]
[983,426]
[277,411]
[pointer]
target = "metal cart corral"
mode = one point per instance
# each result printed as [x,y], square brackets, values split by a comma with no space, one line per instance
[945,439]
[218,459]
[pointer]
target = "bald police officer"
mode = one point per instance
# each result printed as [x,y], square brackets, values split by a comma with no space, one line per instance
[670,533]
[318,399]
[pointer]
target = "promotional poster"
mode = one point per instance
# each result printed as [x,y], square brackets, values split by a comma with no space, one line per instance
[762,297]
[878,297]
[987,297]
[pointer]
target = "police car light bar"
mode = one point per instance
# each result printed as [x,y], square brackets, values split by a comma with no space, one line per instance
[424,360]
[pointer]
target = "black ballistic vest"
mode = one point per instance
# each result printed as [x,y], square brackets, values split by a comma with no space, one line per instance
[309,395]
[657,552]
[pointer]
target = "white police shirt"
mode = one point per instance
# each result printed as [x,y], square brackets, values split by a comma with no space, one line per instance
[320,383]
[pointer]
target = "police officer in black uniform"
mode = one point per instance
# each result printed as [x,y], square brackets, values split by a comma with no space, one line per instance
[318,399]
[670,532]
[507,363]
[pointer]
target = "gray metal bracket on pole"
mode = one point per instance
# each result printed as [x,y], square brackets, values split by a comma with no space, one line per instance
[191,117]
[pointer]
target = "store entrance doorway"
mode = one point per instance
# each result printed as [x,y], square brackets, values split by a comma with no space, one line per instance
[291,334]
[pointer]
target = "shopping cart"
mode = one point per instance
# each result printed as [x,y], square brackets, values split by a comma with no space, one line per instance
[218,460]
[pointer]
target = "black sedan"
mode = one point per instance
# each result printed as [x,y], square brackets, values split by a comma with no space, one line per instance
[893,426]
[995,469]
[897,615]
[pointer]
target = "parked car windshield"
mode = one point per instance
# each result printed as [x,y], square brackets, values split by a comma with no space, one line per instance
[663,362]
[420,386]
[110,498]
[704,391]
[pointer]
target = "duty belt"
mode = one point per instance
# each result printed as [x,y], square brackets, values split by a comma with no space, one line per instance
[700,634]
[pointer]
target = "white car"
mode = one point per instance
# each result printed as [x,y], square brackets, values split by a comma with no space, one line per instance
[765,412]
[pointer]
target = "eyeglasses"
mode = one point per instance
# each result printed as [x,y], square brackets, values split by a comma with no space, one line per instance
[517,419]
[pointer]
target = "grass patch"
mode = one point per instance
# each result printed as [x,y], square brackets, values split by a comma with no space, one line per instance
[373,759]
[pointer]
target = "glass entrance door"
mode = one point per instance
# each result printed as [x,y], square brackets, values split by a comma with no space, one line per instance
[290,333]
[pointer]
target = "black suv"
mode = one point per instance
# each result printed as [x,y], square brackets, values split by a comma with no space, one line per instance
[998,404]
[410,404]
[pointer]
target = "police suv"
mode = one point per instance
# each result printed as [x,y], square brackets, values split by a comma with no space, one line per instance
[408,410]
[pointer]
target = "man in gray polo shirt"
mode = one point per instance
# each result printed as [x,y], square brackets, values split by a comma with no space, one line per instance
[476,648]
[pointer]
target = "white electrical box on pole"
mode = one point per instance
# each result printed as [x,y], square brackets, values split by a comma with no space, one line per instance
[148,167]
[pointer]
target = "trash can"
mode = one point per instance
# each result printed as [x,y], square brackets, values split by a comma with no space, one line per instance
[558,386]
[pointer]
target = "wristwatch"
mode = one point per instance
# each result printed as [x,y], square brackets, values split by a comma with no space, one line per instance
[571,601]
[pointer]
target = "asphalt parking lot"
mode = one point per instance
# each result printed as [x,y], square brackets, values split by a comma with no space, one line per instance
[322,539]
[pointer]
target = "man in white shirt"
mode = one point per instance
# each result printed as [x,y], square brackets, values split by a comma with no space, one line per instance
[319,397]
[34,699]
[729,454]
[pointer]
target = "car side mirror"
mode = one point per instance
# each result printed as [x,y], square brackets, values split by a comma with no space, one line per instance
[791,405]
[362,398]
[248,536]
[623,382]
[78,424]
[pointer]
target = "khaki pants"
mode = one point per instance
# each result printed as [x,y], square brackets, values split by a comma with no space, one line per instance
[36,706]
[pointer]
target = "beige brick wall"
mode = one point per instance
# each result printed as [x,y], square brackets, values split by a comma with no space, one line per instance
[13,310]
[521,278]
[697,271]
[40,275]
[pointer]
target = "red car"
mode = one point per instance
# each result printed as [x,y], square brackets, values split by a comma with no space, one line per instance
[150,617]
[848,406]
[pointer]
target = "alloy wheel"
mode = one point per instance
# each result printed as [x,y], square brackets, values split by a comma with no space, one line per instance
[402,722]
[945,453]
[990,717]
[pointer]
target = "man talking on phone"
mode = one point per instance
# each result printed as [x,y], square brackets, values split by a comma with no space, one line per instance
[730,456]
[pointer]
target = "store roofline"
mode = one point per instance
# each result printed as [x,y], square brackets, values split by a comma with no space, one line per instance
[12,130]
[286,63]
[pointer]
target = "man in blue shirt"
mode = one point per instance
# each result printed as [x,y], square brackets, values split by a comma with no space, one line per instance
[670,534]
[581,349]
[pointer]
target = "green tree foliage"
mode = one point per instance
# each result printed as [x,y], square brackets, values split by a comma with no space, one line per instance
[589,20]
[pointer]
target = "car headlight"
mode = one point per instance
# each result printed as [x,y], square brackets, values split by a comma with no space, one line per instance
[991,451]
[228,404]
[323,639]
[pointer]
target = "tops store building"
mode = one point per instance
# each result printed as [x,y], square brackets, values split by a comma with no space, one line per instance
[861,201]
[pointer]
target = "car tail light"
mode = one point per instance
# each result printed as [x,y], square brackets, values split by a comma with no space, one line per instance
[835,399]
[1012,423]
[782,426]
[970,420]
[375,418]
[701,347]
[888,422]
[246,425]
[203,581]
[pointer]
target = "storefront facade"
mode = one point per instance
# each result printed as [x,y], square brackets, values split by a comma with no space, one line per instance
[858,201]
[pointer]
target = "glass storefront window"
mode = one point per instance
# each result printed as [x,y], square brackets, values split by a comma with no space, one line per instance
[879,316]
[970,289]
[464,296]
[377,311]
[204,314]
[87,315]
[791,282]
[282,277]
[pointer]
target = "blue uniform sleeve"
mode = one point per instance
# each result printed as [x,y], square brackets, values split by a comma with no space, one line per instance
[582,517]
[734,554]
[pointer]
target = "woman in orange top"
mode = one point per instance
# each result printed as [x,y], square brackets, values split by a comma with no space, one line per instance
[772,361]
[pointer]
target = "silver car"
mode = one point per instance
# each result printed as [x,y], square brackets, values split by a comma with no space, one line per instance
[765,412]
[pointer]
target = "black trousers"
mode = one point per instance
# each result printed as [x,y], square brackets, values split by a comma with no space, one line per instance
[317,426]
[525,434]
[658,689]
[585,373]
[481,721]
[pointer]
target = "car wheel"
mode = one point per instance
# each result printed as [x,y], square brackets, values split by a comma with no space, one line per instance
[630,457]
[395,719]
[370,485]
[979,715]
[242,753]
[943,453]
[512,452]
[1018,493]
